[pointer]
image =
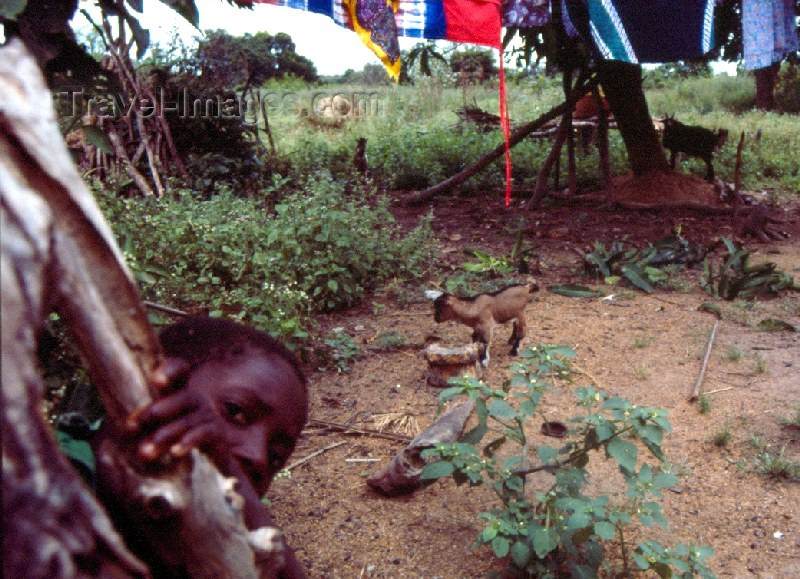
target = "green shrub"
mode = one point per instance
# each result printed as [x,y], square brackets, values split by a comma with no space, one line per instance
[559,531]
[787,89]
[318,250]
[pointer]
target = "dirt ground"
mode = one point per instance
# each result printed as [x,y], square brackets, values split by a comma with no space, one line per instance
[647,348]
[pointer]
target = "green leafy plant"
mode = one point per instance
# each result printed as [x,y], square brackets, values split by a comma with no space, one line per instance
[560,531]
[621,260]
[736,277]
[487,263]
[320,249]
[643,268]
[343,349]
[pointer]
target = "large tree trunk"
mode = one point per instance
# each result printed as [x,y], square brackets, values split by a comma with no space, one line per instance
[765,86]
[622,84]
[58,252]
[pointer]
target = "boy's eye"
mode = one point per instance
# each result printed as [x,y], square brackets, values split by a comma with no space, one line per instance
[234,413]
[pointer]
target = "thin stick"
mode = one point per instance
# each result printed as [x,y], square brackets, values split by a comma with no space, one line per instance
[364,431]
[721,390]
[315,453]
[588,375]
[699,382]
[165,309]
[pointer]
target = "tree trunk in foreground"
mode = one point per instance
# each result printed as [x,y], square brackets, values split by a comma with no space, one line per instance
[622,84]
[59,253]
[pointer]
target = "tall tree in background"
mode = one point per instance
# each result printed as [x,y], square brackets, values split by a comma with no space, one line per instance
[252,58]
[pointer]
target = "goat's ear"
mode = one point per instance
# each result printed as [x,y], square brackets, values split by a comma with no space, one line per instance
[433,294]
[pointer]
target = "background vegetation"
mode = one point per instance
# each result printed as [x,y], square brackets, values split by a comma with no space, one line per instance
[272,235]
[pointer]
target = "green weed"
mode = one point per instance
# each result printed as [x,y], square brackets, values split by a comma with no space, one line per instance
[776,466]
[389,340]
[734,354]
[537,529]
[722,437]
[759,364]
[343,349]
[704,404]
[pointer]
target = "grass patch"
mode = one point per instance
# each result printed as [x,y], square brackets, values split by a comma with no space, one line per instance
[722,437]
[776,466]
[734,354]
[759,364]
[704,404]
[793,421]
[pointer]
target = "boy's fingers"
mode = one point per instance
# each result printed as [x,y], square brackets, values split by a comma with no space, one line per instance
[169,371]
[195,438]
[161,410]
[169,435]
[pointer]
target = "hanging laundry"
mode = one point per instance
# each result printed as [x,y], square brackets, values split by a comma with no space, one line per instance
[769,32]
[379,23]
[652,31]
[526,13]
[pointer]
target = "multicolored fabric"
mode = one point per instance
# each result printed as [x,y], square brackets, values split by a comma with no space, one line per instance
[526,13]
[652,31]
[379,23]
[768,31]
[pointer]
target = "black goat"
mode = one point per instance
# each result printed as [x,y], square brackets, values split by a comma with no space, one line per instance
[695,141]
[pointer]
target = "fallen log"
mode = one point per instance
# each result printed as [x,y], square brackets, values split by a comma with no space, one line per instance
[401,476]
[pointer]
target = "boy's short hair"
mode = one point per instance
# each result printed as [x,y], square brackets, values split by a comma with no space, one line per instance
[200,339]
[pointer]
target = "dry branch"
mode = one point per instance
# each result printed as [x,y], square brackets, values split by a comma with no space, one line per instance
[362,431]
[313,454]
[165,309]
[402,474]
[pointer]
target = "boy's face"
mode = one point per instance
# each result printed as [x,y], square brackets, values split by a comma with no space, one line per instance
[262,407]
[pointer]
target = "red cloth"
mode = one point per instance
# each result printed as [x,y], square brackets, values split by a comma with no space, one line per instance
[476,22]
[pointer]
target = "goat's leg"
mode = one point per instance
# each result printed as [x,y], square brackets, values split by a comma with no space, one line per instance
[483,335]
[672,157]
[517,334]
[709,170]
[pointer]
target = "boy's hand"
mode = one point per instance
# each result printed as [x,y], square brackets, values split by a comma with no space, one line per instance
[178,421]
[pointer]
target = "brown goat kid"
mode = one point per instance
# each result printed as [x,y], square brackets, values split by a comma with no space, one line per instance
[484,311]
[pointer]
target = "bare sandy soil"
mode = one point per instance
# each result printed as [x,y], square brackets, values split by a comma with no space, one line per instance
[647,348]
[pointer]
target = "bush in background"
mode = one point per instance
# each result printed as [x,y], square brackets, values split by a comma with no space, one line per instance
[318,250]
